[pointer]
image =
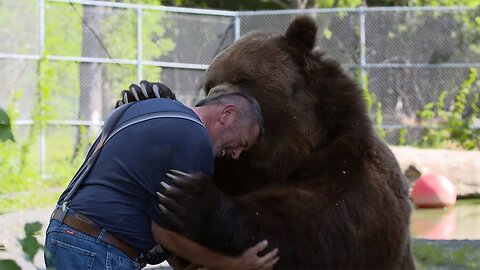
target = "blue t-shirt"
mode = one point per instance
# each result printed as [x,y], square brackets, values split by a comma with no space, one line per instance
[119,193]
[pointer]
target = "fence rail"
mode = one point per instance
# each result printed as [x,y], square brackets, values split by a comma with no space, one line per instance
[86,52]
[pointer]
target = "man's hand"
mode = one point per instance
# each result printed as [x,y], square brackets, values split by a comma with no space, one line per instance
[202,257]
[250,260]
[144,90]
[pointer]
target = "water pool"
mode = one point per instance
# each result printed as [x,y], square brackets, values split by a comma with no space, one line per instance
[462,221]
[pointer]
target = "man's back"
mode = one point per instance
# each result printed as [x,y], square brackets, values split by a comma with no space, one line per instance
[119,192]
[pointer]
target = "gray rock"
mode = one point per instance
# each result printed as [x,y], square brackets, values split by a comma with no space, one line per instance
[462,168]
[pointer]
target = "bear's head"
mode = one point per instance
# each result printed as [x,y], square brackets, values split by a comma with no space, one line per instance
[298,91]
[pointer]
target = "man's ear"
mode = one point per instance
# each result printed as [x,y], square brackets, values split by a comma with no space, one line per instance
[227,113]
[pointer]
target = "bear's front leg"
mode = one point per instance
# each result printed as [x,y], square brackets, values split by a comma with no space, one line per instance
[190,203]
[193,206]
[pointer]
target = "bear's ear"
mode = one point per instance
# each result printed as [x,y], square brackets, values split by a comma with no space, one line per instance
[302,31]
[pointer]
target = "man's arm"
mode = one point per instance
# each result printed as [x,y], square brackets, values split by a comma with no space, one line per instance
[198,254]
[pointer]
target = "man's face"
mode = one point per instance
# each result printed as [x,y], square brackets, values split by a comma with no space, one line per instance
[233,139]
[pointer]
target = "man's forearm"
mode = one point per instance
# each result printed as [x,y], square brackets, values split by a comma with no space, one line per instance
[177,263]
[190,250]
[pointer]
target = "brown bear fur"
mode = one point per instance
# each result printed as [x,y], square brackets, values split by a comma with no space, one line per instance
[320,184]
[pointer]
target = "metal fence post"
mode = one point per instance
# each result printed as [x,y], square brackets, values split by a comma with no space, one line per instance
[362,46]
[41,44]
[139,45]
[237,25]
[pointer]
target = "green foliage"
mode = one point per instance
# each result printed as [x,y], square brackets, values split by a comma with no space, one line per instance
[16,170]
[5,127]
[57,93]
[19,162]
[290,4]
[63,29]
[370,97]
[468,23]
[470,3]
[29,244]
[444,126]
[430,256]
[379,121]
[338,3]
[63,36]
[402,133]
[9,265]
[235,5]
[372,103]
[120,39]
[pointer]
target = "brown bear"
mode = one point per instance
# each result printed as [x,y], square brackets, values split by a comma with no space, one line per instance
[320,184]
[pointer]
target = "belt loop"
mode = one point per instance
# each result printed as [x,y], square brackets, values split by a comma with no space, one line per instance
[101,236]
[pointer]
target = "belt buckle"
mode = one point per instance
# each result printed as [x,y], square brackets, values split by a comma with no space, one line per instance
[64,205]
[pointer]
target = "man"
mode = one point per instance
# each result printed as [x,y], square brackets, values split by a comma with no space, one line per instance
[113,218]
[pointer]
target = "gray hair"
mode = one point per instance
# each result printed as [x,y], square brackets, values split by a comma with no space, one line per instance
[225,98]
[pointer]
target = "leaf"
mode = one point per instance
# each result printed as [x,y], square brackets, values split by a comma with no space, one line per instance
[5,131]
[327,33]
[4,119]
[402,27]
[2,247]
[32,228]
[9,265]
[30,246]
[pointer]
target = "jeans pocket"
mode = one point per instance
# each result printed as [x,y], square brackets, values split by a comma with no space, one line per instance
[71,257]
[116,262]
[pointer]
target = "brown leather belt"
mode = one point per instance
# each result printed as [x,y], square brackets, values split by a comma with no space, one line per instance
[84,225]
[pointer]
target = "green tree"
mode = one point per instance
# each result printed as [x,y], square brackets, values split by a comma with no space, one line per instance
[294,4]
[452,124]
[233,4]
[88,88]
[120,40]
[262,4]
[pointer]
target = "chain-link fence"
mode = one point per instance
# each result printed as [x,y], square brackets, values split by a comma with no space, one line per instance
[66,61]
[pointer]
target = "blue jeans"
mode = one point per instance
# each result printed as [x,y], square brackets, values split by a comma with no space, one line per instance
[67,248]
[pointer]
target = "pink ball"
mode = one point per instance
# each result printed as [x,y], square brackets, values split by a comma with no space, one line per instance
[433,191]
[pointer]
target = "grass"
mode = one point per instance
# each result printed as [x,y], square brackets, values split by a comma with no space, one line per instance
[438,255]
[28,200]
[22,186]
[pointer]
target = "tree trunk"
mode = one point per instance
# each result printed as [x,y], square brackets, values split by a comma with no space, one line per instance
[90,100]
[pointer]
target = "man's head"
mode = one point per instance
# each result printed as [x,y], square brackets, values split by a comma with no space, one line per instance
[234,122]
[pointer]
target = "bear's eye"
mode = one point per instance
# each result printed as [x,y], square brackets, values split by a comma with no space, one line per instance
[243,82]
[295,88]
[290,91]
